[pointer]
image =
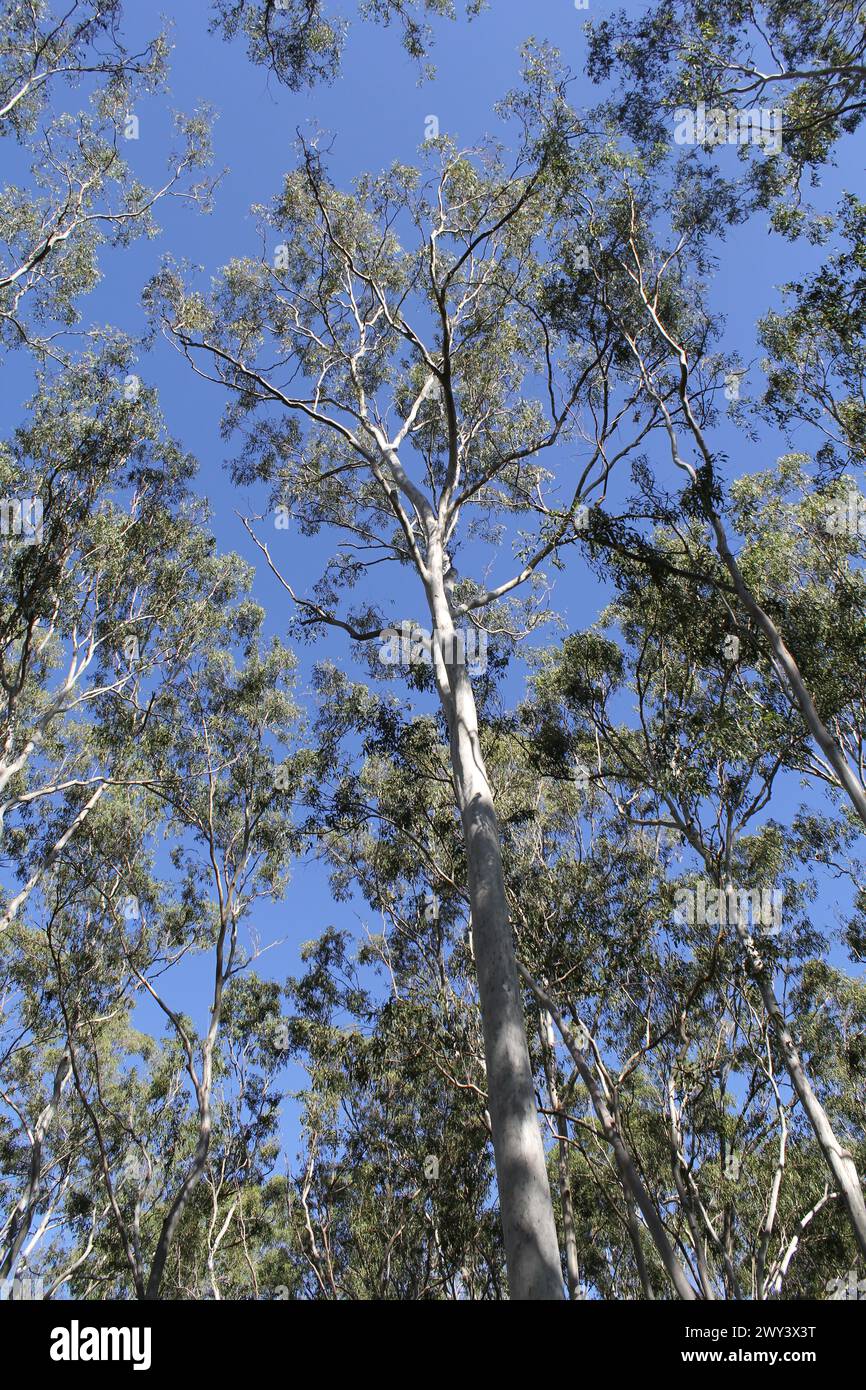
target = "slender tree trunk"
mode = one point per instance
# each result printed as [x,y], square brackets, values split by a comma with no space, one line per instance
[787,667]
[50,860]
[572,1268]
[780,655]
[203,1097]
[636,1192]
[686,1196]
[637,1247]
[528,1226]
[177,1209]
[626,1168]
[838,1160]
[773,1202]
[22,1218]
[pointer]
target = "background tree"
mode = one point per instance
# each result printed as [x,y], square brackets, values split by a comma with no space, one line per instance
[80,194]
[707,790]
[804,60]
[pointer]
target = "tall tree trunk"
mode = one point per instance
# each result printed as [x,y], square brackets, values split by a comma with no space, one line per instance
[686,1195]
[637,1246]
[838,1160]
[528,1226]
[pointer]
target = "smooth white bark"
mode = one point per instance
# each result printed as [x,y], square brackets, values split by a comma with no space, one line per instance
[529,1229]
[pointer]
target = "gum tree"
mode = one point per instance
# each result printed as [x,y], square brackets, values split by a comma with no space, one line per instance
[108,929]
[400,340]
[81,193]
[801,57]
[95,604]
[713,737]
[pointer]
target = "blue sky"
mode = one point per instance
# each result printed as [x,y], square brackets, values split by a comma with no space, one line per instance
[376,111]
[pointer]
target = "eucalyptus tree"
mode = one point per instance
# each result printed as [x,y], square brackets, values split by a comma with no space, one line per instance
[301,41]
[803,62]
[435,385]
[104,580]
[108,931]
[648,262]
[389,829]
[712,739]
[80,192]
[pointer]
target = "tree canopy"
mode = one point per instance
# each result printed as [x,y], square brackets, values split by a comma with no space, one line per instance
[432,836]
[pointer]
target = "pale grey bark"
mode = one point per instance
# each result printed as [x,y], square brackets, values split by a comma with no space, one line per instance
[560,1119]
[838,1160]
[775,1278]
[760,1283]
[22,1217]
[8,916]
[528,1225]
[629,1177]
